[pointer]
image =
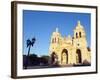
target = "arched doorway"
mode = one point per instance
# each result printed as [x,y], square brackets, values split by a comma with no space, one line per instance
[64,57]
[78,56]
[54,58]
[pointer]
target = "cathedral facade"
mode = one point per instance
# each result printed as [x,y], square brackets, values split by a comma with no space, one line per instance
[70,50]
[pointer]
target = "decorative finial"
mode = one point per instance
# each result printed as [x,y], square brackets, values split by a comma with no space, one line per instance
[79,23]
[56,29]
[69,36]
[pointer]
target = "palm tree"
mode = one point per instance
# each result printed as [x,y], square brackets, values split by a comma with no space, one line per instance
[29,44]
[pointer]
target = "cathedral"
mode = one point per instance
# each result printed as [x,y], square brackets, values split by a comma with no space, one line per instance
[70,50]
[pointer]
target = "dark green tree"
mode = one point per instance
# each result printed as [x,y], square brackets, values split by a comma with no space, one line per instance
[44,60]
[34,59]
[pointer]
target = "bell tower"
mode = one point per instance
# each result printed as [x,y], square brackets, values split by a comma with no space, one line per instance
[79,36]
[55,45]
[55,40]
[80,43]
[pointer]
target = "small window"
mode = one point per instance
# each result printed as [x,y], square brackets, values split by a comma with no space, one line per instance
[80,34]
[76,35]
[78,44]
[52,40]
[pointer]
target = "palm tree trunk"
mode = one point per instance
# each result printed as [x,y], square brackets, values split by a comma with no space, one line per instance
[28,55]
[27,63]
[29,50]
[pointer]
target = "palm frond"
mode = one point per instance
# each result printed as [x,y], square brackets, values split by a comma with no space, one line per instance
[28,42]
[33,41]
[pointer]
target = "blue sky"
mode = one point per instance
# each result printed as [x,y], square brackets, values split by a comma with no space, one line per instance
[41,24]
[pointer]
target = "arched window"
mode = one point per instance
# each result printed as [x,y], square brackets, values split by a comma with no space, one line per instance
[52,40]
[76,35]
[78,56]
[64,57]
[80,34]
[54,58]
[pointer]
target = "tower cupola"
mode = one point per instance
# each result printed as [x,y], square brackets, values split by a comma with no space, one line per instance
[79,31]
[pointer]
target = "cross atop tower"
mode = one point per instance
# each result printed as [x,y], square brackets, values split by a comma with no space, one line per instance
[56,29]
[79,23]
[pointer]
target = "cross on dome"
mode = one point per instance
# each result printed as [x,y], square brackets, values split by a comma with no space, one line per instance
[79,23]
[56,29]
[69,36]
